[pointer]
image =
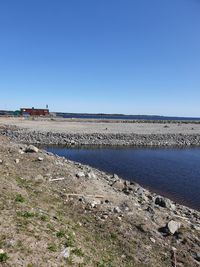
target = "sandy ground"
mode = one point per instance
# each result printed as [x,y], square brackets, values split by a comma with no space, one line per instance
[69,126]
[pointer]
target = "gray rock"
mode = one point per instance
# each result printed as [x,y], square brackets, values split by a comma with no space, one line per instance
[91,175]
[119,185]
[17,161]
[65,253]
[31,149]
[117,210]
[196,256]
[80,175]
[1,161]
[40,159]
[39,178]
[164,203]
[173,226]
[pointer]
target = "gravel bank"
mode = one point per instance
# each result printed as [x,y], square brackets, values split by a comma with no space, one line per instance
[65,132]
[99,139]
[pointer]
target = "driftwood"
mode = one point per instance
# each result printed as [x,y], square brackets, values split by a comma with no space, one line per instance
[82,195]
[57,179]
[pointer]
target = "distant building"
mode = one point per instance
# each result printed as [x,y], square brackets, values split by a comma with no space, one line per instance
[34,112]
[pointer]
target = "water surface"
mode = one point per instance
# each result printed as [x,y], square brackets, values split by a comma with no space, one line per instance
[172,172]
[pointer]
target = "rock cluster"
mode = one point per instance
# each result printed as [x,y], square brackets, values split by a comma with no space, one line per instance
[50,138]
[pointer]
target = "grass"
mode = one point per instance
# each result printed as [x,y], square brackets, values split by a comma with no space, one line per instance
[52,247]
[60,234]
[26,214]
[19,198]
[78,252]
[3,257]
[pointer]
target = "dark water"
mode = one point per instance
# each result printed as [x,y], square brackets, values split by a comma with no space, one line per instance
[172,172]
[124,117]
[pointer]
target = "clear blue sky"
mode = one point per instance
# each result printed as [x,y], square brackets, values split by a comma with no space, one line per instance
[111,56]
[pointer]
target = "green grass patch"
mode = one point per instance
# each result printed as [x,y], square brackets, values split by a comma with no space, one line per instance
[60,234]
[19,198]
[3,257]
[26,214]
[52,247]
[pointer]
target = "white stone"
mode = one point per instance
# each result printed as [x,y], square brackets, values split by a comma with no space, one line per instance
[31,149]
[173,226]
[80,174]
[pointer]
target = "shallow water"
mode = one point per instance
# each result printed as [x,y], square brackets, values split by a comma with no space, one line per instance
[172,172]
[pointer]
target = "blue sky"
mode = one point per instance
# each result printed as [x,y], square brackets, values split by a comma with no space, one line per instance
[111,56]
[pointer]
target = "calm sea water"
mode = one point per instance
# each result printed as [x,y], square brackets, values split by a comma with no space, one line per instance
[123,117]
[172,172]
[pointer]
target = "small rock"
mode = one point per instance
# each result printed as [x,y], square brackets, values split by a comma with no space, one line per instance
[1,161]
[196,256]
[39,178]
[95,203]
[1,251]
[90,175]
[173,226]
[40,159]
[80,174]
[160,201]
[152,240]
[117,210]
[115,176]
[164,203]
[31,149]
[21,152]
[17,161]
[65,253]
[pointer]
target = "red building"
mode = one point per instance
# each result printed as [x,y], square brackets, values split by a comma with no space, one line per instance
[34,112]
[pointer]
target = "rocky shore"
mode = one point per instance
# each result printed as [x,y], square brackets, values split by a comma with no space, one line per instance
[101,139]
[55,212]
[59,212]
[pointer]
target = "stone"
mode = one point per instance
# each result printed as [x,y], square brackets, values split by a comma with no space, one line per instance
[173,226]
[117,210]
[80,175]
[65,253]
[152,240]
[119,185]
[39,178]
[17,161]
[40,159]
[1,161]
[115,176]
[160,201]
[95,203]
[31,149]
[164,203]
[91,175]
[196,256]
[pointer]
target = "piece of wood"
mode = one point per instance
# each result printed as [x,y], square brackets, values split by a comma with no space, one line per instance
[57,179]
[81,195]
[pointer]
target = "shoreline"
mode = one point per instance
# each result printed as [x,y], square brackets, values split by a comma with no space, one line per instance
[134,214]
